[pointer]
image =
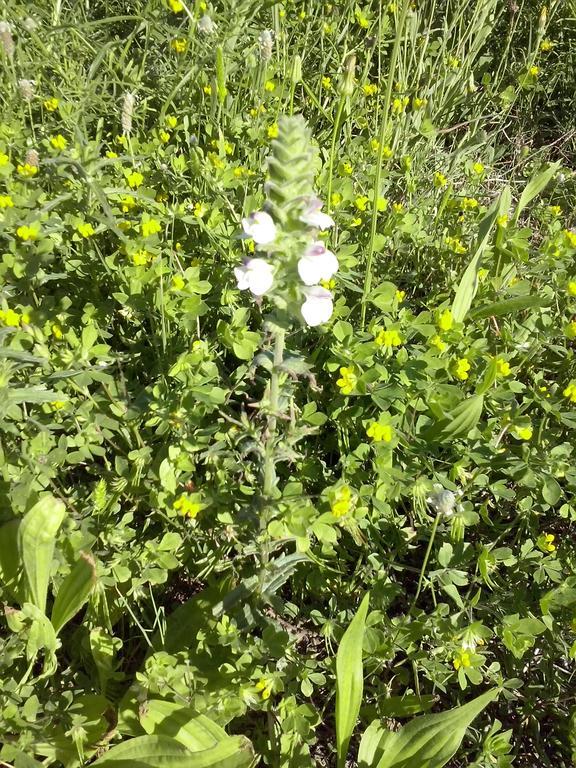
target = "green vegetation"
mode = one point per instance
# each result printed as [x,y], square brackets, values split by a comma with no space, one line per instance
[288,384]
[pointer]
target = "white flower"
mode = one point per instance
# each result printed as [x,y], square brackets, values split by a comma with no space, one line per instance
[314,217]
[259,225]
[442,501]
[255,275]
[206,26]
[317,263]
[318,307]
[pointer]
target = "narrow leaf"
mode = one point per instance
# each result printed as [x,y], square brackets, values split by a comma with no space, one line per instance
[196,732]
[536,185]
[458,423]
[509,306]
[10,567]
[36,539]
[349,680]
[74,591]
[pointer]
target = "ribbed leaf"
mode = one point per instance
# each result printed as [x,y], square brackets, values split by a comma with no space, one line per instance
[431,740]
[10,566]
[74,591]
[36,539]
[349,680]
[537,184]
[164,752]
[508,306]
[458,423]
[194,731]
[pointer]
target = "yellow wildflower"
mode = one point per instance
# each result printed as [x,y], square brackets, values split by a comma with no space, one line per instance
[28,233]
[127,202]
[328,284]
[57,331]
[188,505]
[453,62]
[273,131]
[164,137]
[327,83]
[7,202]
[10,318]
[348,380]
[200,210]
[134,179]
[523,433]
[140,258]
[59,142]
[445,320]
[571,288]
[469,204]
[178,282]
[111,155]
[179,45]
[269,86]
[399,105]
[418,103]
[176,6]
[362,202]
[57,405]
[216,161]
[85,229]
[370,89]
[388,339]
[264,687]
[361,19]
[336,199]
[381,204]
[546,542]
[380,432]
[462,659]
[455,244]
[51,105]
[27,170]
[150,227]
[387,152]
[503,367]
[554,210]
[478,168]
[343,502]
[533,71]
[570,392]
[461,368]
[4,159]
[570,330]
[546,45]
[570,237]
[440,180]
[171,121]
[346,168]
[437,342]
[356,222]
[398,207]
[207,90]
[400,295]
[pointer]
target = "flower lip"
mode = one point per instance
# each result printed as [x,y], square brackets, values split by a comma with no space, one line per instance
[313,216]
[260,227]
[316,264]
[256,275]
[318,307]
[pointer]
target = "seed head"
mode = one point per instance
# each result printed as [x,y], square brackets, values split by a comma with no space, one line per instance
[266,43]
[6,39]
[127,112]
[32,158]
[26,89]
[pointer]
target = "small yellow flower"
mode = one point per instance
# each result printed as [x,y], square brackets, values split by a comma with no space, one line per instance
[327,83]
[273,131]
[546,542]
[264,687]
[523,433]
[85,229]
[387,152]
[570,330]
[461,368]
[380,433]
[502,221]
[398,207]
[302,15]
[122,140]
[362,202]
[59,142]
[335,199]
[348,380]
[140,258]
[179,45]
[374,145]
[399,105]
[570,237]
[7,202]
[361,19]
[388,339]
[127,202]
[469,204]
[28,233]
[269,86]
[171,121]
[216,161]
[57,405]
[111,155]
[51,105]
[178,282]
[400,296]
[207,90]
[370,89]
[57,331]
[503,367]
[445,320]
[437,342]
[188,505]
[4,159]
[455,244]
[356,222]
[571,288]
[10,318]
[150,227]
[546,45]
[570,392]
[134,179]
[418,103]
[27,170]
[346,168]
[478,168]
[453,62]
[462,659]
[343,502]
[533,71]
[200,210]
[176,6]
[382,204]
[164,137]
[328,284]
[554,210]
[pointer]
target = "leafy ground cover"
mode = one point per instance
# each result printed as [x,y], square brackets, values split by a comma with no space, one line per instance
[287,327]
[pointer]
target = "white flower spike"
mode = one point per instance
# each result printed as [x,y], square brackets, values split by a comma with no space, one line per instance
[317,263]
[314,217]
[318,307]
[255,275]
[260,226]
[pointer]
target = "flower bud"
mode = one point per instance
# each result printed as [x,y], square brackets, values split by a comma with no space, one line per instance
[346,84]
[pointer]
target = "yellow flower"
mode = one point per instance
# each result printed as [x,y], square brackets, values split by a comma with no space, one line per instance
[179,45]
[4,159]
[533,71]
[178,282]
[59,142]
[572,288]
[264,687]
[127,202]
[327,83]
[57,331]
[502,367]
[140,258]
[399,105]
[134,179]
[502,221]
[570,237]
[27,170]
[554,210]
[85,229]
[523,433]
[216,161]
[269,86]
[356,222]
[400,295]
[28,233]
[348,380]
[122,140]
[151,227]
[164,137]
[461,368]
[200,210]
[455,244]
[346,168]
[387,152]
[176,6]
[57,405]
[546,45]
[343,502]
[570,392]
[361,19]
[437,342]
[374,145]
[188,505]
[478,168]
[51,105]
[381,204]
[388,339]
[362,202]
[445,320]
[546,542]
[336,199]
[462,659]
[380,432]
[418,103]
[171,121]
[111,155]
[398,207]
[570,330]
[370,89]
[207,90]
[10,318]
[453,62]
[7,202]
[273,131]
[469,204]
[328,284]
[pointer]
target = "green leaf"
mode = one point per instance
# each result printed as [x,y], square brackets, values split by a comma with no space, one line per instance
[403,706]
[164,752]
[508,306]
[10,566]
[74,591]
[372,744]
[551,491]
[458,423]
[431,740]
[349,680]
[536,185]
[165,718]
[469,283]
[36,539]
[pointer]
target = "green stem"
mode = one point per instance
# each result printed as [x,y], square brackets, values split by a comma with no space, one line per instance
[426,558]
[384,124]
[335,132]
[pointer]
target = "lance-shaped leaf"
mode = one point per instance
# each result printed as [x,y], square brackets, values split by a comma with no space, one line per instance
[10,565]
[431,740]
[349,680]
[74,591]
[537,183]
[457,423]
[36,539]
[195,731]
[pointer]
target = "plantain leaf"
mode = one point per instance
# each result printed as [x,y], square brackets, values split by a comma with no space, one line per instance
[349,680]
[10,566]
[74,591]
[403,706]
[431,740]
[373,744]
[36,539]
[195,731]
[508,306]
[458,423]
[165,752]
[537,184]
